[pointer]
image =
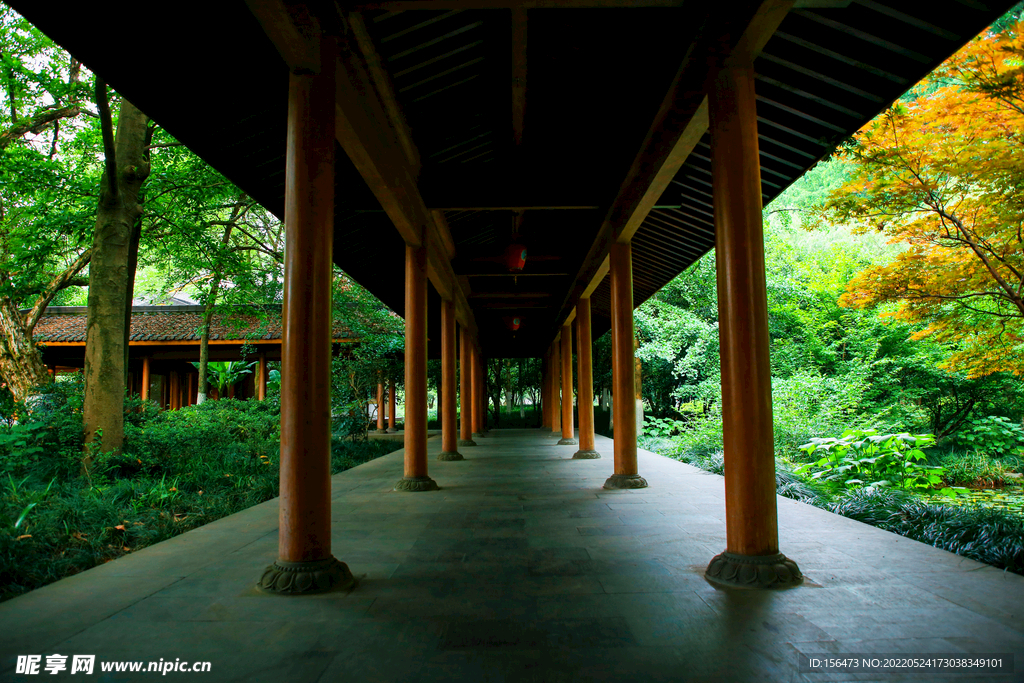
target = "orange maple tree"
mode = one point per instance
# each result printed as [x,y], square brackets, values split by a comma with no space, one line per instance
[943,175]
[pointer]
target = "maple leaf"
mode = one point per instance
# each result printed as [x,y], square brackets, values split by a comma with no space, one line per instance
[944,175]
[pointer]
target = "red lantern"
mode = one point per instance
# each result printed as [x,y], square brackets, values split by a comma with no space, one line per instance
[515,323]
[512,323]
[515,257]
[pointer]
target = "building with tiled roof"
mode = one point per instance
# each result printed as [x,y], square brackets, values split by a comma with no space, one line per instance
[164,342]
[61,325]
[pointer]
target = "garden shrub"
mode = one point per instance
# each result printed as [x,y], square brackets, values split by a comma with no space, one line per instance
[994,435]
[178,470]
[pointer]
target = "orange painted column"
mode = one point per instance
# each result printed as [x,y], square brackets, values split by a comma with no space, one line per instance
[545,390]
[380,404]
[752,558]
[305,563]
[465,389]
[175,390]
[392,402]
[261,384]
[566,372]
[449,436]
[478,394]
[556,389]
[416,478]
[585,382]
[144,389]
[621,272]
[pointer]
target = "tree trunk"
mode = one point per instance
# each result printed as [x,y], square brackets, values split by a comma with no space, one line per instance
[211,302]
[127,166]
[20,363]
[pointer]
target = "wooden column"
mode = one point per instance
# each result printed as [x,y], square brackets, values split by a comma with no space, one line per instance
[144,389]
[566,372]
[449,437]
[556,389]
[752,558]
[621,272]
[305,563]
[545,388]
[174,379]
[478,394]
[416,478]
[392,402]
[380,404]
[261,384]
[585,382]
[465,389]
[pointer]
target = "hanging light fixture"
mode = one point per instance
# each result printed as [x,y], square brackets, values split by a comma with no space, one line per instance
[515,253]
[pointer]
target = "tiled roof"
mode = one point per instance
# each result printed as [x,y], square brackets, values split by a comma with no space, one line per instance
[169,323]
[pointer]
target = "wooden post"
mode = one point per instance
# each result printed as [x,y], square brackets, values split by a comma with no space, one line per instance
[305,563]
[261,384]
[144,389]
[545,388]
[465,389]
[392,402]
[380,404]
[175,390]
[449,437]
[752,558]
[416,478]
[190,395]
[585,382]
[478,394]
[556,389]
[621,272]
[566,372]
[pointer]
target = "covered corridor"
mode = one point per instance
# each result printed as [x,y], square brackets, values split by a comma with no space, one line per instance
[523,568]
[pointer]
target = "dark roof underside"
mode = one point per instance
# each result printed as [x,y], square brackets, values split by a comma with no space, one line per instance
[595,80]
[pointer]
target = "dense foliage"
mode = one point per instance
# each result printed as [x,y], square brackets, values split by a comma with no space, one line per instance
[179,470]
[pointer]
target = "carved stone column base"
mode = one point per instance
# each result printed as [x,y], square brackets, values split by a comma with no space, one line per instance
[389,430]
[449,455]
[586,455]
[382,431]
[464,442]
[625,481]
[416,484]
[753,571]
[477,435]
[567,442]
[294,578]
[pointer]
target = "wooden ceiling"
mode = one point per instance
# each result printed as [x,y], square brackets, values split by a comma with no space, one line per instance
[570,124]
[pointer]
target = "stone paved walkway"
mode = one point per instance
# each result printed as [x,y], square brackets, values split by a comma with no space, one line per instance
[522,568]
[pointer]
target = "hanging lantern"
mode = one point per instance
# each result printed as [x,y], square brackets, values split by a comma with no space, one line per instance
[512,323]
[515,323]
[515,257]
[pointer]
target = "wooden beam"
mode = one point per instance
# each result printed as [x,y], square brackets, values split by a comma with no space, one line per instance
[375,135]
[718,35]
[507,192]
[293,30]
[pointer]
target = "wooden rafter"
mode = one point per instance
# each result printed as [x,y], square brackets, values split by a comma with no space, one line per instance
[373,132]
[677,128]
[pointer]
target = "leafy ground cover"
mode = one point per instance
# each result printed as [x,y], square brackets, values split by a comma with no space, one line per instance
[179,470]
[889,481]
